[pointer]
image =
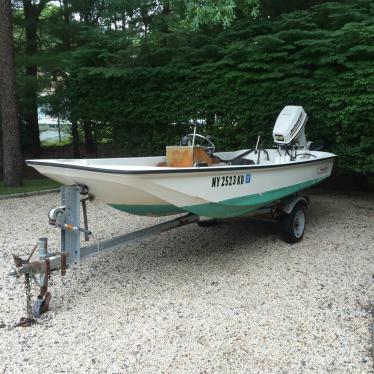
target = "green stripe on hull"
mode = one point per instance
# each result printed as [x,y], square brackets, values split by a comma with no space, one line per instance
[238,206]
[149,210]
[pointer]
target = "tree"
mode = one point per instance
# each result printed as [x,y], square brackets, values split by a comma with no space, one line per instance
[32,12]
[12,158]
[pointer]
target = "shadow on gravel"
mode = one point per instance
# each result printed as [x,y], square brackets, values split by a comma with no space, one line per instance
[168,257]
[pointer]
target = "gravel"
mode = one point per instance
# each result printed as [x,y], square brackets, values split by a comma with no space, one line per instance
[232,298]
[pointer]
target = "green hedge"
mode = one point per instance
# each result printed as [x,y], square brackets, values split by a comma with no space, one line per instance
[238,79]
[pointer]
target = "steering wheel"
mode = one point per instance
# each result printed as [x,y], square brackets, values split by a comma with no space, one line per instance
[209,147]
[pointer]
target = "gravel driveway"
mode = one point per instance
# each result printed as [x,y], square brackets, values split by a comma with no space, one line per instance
[232,298]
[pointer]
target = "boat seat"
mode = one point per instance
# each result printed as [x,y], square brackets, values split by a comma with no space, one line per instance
[242,161]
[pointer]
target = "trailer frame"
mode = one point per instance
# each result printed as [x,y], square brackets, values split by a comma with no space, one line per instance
[67,218]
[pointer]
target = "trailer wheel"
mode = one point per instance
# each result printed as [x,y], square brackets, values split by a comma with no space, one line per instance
[293,224]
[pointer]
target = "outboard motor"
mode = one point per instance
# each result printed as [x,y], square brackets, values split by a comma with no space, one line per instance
[289,128]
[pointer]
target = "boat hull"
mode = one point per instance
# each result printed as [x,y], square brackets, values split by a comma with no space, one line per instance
[219,192]
[223,209]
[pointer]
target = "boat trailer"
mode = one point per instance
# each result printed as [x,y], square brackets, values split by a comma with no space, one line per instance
[67,219]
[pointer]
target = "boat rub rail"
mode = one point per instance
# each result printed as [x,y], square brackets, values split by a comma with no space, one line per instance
[175,170]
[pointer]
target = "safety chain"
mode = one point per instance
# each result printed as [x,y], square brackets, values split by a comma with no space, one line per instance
[28,295]
[28,320]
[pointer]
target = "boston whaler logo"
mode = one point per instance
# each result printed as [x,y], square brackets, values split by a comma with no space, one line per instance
[322,169]
[231,180]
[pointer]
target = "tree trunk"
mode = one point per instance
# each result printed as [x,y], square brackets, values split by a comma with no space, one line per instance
[145,19]
[88,137]
[166,10]
[32,13]
[11,139]
[66,42]
[1,149]
[66,32]
[123,20]
[74,132]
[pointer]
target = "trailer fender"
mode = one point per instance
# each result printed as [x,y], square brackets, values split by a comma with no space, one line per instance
[289,203]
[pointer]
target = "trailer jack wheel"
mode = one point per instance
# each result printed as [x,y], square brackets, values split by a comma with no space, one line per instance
[41,305]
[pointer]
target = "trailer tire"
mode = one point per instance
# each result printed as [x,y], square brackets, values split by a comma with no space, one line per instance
[293,224]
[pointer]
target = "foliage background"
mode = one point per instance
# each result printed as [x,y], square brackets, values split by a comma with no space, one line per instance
[236,67]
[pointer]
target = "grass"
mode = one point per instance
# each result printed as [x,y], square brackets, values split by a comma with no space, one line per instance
[56,142]
[29,185]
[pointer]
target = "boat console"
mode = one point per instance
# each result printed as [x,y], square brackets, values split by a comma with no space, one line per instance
[189,153]
[187,156]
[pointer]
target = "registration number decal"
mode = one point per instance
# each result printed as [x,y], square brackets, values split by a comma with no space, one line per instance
[231,180]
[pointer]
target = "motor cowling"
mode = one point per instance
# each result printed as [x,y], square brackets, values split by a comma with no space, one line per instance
[289,127]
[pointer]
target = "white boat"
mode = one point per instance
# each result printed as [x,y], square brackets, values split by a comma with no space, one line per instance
[196,179]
